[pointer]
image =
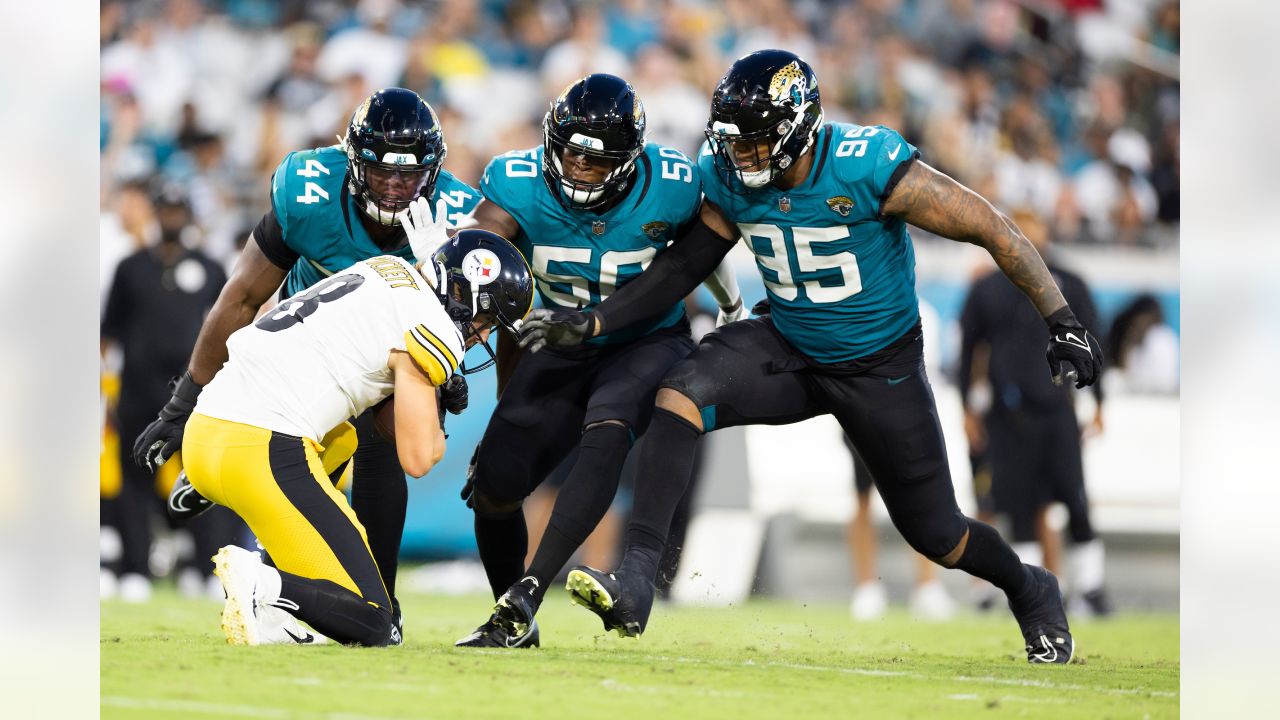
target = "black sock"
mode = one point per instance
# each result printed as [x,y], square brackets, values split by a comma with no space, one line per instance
[989,557]
[665,469]
[503,541]
[379,496]
[337,612]
[584,498]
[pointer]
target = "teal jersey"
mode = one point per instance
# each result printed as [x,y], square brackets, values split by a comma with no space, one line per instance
[581,257]
[320,219]
[839,276]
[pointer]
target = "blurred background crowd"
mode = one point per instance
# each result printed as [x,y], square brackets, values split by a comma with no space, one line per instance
[1067,107]
[1064,113]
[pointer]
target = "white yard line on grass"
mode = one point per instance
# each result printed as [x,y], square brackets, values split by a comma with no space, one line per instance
[222,710]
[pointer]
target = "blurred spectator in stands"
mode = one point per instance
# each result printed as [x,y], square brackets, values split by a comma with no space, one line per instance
[1025,174]
[632,25]
[159,297]
[1166,31]
[583,52]
[1166,173]
[1143,348]
[368,49]
[675,110]
[1030,431]
[126,225]
[1113,194]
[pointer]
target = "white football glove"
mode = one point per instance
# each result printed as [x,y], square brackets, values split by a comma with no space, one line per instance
[737,312]
[426,232]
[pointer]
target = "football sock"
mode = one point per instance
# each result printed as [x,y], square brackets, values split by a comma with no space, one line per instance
[665,469]
[335,611]
[379,496]
[989,557]
[503,541]
[585,497]
[1087,562]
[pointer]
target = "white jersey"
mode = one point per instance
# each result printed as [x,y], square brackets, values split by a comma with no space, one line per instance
[320,357]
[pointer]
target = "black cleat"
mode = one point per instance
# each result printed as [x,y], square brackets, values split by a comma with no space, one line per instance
[397,623]
[511,625]
[1043,621]
[184,502]
[622,600]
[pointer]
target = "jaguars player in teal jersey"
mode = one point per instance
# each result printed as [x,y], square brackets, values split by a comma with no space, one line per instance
[330,208]
[590,209]
[825,210]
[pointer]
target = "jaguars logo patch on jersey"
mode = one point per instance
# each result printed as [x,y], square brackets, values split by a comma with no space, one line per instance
[842,204]
[654,229]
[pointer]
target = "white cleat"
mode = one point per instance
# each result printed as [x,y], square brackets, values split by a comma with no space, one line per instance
[870,601]
[254,613]
[931,601]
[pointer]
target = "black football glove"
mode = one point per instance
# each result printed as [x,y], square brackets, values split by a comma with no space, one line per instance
[163,437]
[454,394]
[1074,354]
[555,327]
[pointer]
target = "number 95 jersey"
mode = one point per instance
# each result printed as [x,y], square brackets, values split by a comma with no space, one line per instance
[320,356]
[840,277]
[581,257]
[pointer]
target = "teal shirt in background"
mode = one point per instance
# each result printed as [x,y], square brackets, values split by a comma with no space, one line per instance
[580,257]
[840,278]
[321,221]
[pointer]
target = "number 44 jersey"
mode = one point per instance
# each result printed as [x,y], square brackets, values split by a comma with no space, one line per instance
[840,277]
[320,356]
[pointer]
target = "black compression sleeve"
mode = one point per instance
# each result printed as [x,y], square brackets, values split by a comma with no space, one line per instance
[672,275]
[270,239]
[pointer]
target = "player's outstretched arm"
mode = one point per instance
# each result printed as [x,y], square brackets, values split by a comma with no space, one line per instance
[250,285]
[672,276]
[933,201]
[419,436]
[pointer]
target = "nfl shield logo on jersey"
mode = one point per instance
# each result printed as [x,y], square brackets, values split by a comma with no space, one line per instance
[597,227]
[784,204]
[841,204]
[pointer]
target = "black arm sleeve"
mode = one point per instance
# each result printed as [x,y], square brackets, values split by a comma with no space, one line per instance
[270,239]
[672,275]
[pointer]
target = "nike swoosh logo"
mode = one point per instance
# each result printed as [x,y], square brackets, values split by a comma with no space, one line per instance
[305,639]
[1073,339]
[894,155]
[178,501]
[895,381]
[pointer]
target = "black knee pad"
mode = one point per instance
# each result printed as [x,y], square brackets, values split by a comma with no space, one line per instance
[488,507]
[378,630]
[684,379]
[935,537]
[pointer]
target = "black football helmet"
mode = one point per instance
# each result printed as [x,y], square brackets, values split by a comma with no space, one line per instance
[598,116]
[768,96]
[393,133]
[483,277]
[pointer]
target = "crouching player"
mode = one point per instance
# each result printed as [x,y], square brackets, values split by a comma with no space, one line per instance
[253,444]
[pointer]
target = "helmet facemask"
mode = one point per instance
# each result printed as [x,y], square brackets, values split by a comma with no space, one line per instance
[371,180]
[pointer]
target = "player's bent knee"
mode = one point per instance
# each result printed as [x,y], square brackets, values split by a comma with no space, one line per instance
[679,404]
[952,556]
[486,506]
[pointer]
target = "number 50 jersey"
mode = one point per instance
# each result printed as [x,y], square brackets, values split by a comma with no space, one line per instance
[321,356]
[840,277]
[581,257]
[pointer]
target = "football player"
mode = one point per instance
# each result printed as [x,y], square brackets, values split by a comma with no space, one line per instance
[254,439]
[331,207]
[590,209]
[825,209]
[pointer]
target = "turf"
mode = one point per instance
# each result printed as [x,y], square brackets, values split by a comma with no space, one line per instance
[168,659]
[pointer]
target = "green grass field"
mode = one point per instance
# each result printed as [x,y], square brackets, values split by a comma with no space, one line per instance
[167,659]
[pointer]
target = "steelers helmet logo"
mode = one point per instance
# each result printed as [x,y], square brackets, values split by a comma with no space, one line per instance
[481,266]
[789,83]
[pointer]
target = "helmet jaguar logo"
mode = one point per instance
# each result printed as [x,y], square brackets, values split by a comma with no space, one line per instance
[789,83]
[654,229]
[841,204]
[361,112]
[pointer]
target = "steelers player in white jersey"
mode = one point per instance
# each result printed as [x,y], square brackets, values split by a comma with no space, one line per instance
[253,444]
